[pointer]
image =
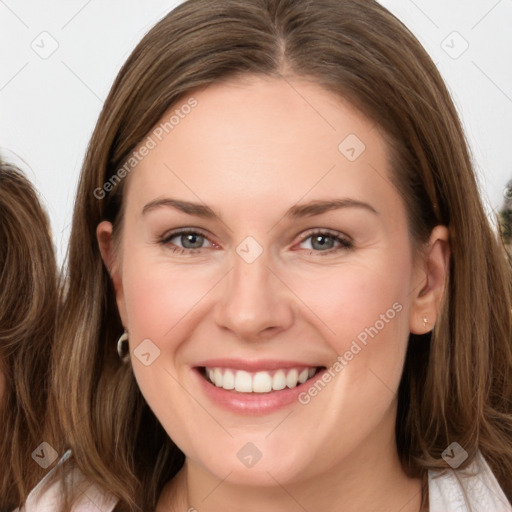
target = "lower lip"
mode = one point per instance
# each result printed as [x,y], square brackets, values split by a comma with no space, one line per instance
[253,403]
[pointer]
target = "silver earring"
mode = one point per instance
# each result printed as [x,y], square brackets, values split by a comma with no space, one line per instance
[123,353]
[425,321]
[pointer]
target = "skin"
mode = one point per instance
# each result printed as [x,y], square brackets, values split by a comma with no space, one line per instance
[250,150]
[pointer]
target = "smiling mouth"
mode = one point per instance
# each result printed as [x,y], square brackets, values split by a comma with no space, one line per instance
[258,382]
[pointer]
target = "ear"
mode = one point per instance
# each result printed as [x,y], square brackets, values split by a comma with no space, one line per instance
[108,254]
[430,280]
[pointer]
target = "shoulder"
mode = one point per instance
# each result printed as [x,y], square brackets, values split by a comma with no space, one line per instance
[470,490]
[47,495]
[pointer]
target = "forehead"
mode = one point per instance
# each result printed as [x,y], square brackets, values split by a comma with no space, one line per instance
[274,140]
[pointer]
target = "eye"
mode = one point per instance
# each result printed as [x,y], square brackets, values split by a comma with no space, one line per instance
[324,242]
[191,241]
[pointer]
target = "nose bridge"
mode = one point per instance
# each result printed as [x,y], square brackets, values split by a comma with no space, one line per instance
[254,299]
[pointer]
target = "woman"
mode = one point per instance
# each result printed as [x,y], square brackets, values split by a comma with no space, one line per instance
[28,300]
[283,291]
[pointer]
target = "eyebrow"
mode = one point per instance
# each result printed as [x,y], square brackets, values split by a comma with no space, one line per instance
[316,207]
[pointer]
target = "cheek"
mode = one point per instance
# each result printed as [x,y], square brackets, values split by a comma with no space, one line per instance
[158,297]
[350,299]
[158,306]
[162,305]
[364,313]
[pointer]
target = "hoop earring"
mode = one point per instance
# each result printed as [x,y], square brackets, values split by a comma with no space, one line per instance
[124,354]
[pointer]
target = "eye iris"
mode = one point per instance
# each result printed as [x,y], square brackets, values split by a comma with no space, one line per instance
[191,237]
[323,245]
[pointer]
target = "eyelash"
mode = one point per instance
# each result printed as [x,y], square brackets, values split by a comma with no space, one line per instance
[344,242]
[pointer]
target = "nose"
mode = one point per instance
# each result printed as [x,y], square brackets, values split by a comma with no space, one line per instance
[256,303]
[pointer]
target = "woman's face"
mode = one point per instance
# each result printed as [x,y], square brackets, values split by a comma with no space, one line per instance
[298,265]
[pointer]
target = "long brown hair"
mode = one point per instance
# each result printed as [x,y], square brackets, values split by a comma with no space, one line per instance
[28,301]
[457,381]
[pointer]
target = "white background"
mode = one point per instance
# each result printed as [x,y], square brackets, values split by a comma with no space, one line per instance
[49,106]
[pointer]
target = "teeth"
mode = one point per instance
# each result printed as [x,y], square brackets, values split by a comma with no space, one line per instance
[262,383]
[303,376]
[217,377]
[258,382]
[243,382]
[292,378]
[229,380]
[279,380]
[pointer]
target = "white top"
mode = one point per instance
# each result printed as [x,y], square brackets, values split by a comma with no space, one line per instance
[446,492]
[446,489]
[92,498]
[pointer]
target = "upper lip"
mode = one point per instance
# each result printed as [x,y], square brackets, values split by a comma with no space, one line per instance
[254,365]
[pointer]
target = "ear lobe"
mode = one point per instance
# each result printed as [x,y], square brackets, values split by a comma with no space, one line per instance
[106,245]
[433,267]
